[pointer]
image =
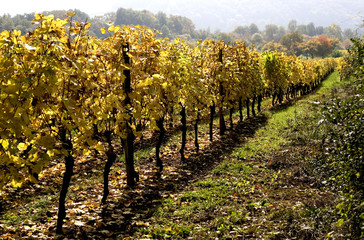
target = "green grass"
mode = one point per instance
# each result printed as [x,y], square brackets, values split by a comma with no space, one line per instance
[223,204]
[282,124]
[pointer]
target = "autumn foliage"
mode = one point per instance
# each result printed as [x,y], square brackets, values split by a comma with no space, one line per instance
[65,93]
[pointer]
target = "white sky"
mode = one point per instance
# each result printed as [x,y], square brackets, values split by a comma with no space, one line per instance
[216,14]
[90,7]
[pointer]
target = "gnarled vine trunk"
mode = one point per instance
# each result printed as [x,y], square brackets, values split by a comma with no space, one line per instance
[69,162]
[211,124]
[184,132]
[131,174]
[161,131]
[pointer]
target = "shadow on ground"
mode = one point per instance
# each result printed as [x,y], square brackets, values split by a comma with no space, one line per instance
[122,218]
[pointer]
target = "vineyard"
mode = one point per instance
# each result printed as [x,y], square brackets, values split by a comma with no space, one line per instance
[68,95]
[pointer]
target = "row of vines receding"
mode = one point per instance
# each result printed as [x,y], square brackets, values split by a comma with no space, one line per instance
[65,93]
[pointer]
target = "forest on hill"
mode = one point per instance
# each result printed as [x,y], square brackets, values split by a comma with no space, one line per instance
[226,16]
[295,38]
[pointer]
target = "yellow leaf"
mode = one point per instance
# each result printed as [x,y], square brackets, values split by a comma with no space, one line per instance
[5,34]
[168,229]
[103,30]
[70,14]
[5,144]
[99,147]
[16,160]
[150,31]
[164,85]
[16,184]
[17,32]
[156,76]
[148,81]
[111,29]
[22,146]
[50,17]
[38,16]
[86,152]
[50,153]
[87,25]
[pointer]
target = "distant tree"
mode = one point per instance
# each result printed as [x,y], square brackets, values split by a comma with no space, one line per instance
[148,19]
[162,19]
[223,36]
[241,30]
[270,32]
[273,46]
[132,17]
[257,40]
[347,44]
[241,33]
[109,17]
[165,31]
[177,25]
[325,47]
[6,23]
[80,16]
[186,37]
[319,30]
[181,25]
[310,47]
[124,17]
[320,46]
[202,34]
[29,16]
[253,28]
[334,31]
[291,41]
[348,33]
[311,29]
[292,25]
[97,23]
[20,22]
[280,33]
[302,29]
[336,43]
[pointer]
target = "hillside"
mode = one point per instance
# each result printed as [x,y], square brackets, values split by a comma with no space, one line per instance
[225,16]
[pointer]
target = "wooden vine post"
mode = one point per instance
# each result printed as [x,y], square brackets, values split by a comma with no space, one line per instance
[184,132]
[69,162]
[161,131]
[131,174]
[211,124]
[221,92]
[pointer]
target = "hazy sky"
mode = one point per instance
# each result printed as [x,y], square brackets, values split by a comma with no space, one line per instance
[91,7]
[216,14]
